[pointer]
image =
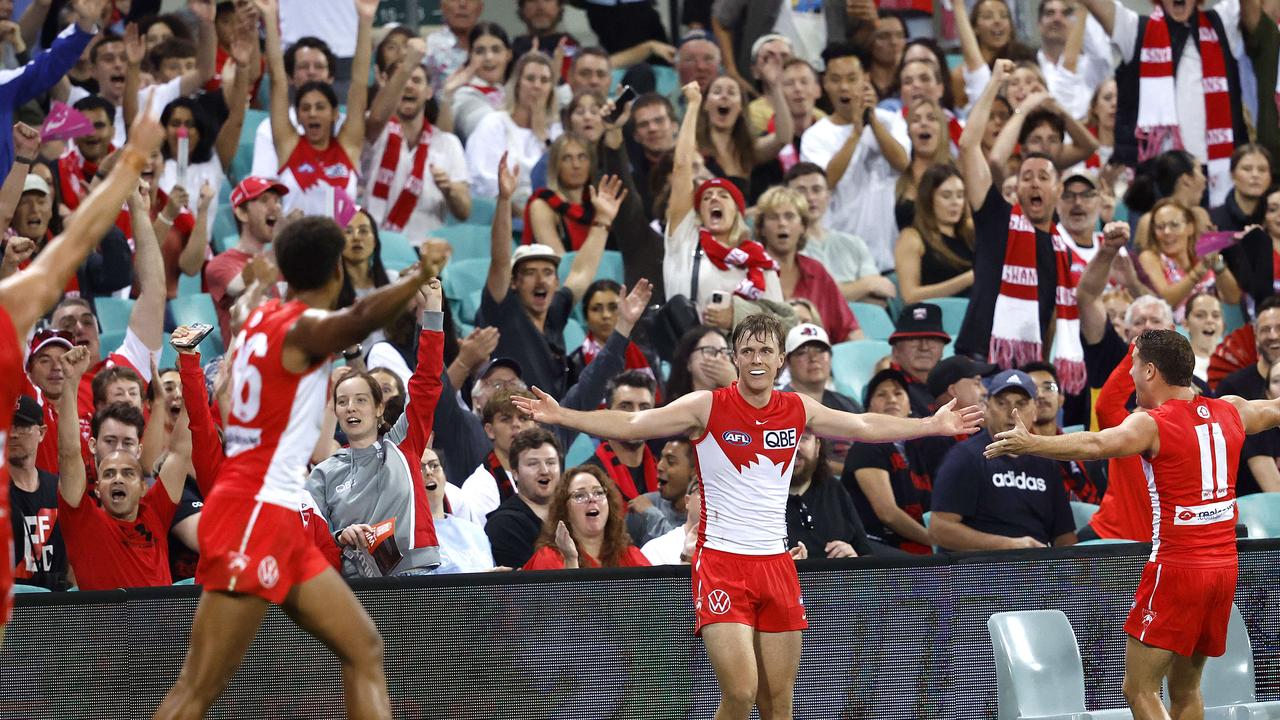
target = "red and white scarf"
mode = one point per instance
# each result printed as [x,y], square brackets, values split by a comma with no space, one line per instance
[398,214]
[749,255]
[1157,129]
[1015,340]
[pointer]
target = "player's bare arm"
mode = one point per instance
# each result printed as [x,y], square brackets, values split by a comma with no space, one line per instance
[684,416]
[1137,435]
[876,428]
[1257,415]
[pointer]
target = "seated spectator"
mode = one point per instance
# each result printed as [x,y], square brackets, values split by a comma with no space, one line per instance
[560,215]
[1004,503]
[1248,258]
[601,306]
[124,542]
[377,477]
[630,464]
[820,514]
[702,361]
[585,526]
[891,483]
[515,526]
[478,87]
[321,154]
[1084,481]
[653,121]
[697,61]
[463,545]
[590,71]
[362,268]
[1258,469]
[448,46]
[520,132]
[846,257]
[677,545]
[934,257]
[660,511]
[255,201]
[1204,328]
[522,296]
[542,20]
[1175,175]
[491,482]
[38,547]
[808,365]
[1171,265]
[862,161]
[1245,205]
[1250,382]
[407,150]
[960,378]
[307,60]
[782,228]
[930,148]
[917,342]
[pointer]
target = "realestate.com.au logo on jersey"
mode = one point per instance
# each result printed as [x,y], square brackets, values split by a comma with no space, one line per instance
[1020,481]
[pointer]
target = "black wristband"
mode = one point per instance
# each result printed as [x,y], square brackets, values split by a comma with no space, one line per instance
[24,160]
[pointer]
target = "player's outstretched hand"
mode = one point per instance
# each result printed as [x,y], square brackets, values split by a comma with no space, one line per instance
[1011,442]
[950,421]
[541,407]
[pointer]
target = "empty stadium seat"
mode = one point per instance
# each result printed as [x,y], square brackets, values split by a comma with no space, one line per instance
[190,284]
[1082,512]
[199,308]
[1228,681]
[242,163]
[610,266]
[20,588]
[574,335]
[1232,318]
[1260,512]
[397,254]
[481,213]
[113,321]
[953,310]
[853,364]
[873,319]
[463,281]
[580,451]
[468,241]
[1038,669]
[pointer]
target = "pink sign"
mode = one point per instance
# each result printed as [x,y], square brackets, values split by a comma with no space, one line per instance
[64,123]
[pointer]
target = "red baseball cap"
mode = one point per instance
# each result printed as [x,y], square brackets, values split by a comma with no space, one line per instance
[253,186]
[46,338]
[723,184]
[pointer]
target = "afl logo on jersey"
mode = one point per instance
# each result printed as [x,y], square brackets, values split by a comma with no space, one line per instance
[1203,412]
[779,439]
[736,437]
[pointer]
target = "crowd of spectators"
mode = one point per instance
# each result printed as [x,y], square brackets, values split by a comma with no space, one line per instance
[989,217]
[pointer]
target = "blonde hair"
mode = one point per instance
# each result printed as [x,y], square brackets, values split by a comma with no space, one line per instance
[779,198]
[556,154]
[513,83]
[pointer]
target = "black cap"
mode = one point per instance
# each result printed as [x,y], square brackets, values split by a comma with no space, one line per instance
[919,320]
[27,412]
[956,367]
[885,374]
[500,362]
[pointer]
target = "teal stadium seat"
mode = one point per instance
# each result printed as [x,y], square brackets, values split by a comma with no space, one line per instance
[1082,512]
[113,321]
[953,310]
[1232,318]
[190,284]
[19,588]
[199,308]
[481,213]
[853,364]
[1038,670]
[463,281]
[1104,541]
[873,319]
[225,232]
[580,451]
[397,254]
[242,163]
[468,241]
[1260,512]
[610,266]
[574,335]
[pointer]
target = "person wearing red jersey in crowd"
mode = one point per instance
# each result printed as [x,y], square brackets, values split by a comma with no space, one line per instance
[747,595]
[1189,446]
[254,548]
[27,295]
[124,543]
[44,373]
[258,206]
[586,525]
[318,155]
[420,171]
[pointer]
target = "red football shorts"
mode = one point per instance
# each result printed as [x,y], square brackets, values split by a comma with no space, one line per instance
[1183,610]
[256,548]
[762,591]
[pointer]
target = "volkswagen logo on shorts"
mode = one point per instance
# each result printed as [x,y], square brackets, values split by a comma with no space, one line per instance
[736,437]
[718,602]
[268,572]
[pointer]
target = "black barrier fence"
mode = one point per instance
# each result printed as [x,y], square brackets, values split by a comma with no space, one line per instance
[886,640]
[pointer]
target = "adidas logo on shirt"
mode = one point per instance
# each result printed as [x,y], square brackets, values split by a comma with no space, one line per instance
[1020,481]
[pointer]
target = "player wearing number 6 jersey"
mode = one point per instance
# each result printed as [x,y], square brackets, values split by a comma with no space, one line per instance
[253,545]
[747,596]
[1189,447]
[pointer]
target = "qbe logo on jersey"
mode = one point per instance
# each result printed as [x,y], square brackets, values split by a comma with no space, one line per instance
[779,439]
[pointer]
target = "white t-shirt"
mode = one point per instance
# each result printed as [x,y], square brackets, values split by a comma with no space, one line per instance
[209,171]
[807,32]
[495,134]
[164,94]
[862,203]
[265,162]
[479,496]
[677,268]
[846,257]
[666,548]
[444,151]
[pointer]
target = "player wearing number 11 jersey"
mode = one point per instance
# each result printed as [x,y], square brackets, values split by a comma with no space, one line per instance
[1190,448]
[746,592]
[254,549]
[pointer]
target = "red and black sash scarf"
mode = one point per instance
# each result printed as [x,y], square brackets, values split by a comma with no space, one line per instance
[575,219]
[621,474]
[494,466]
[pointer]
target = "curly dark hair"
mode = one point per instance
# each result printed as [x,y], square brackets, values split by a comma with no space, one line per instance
[616,538]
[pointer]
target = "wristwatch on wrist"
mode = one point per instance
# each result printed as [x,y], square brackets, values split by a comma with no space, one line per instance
[353,352]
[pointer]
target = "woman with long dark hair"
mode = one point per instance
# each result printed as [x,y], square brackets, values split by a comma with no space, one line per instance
[211,148]
[701,361]
[1173,174]
[586,525]
[724,134]
[478,87]
[362,266]
[934,257]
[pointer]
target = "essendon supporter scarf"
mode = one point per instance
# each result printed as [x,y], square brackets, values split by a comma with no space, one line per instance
[1157,113]
[621,474]
[635,359]
[310,166]
[400,211]
[575,218]
[1015,340]
[494,466]
[749,255]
